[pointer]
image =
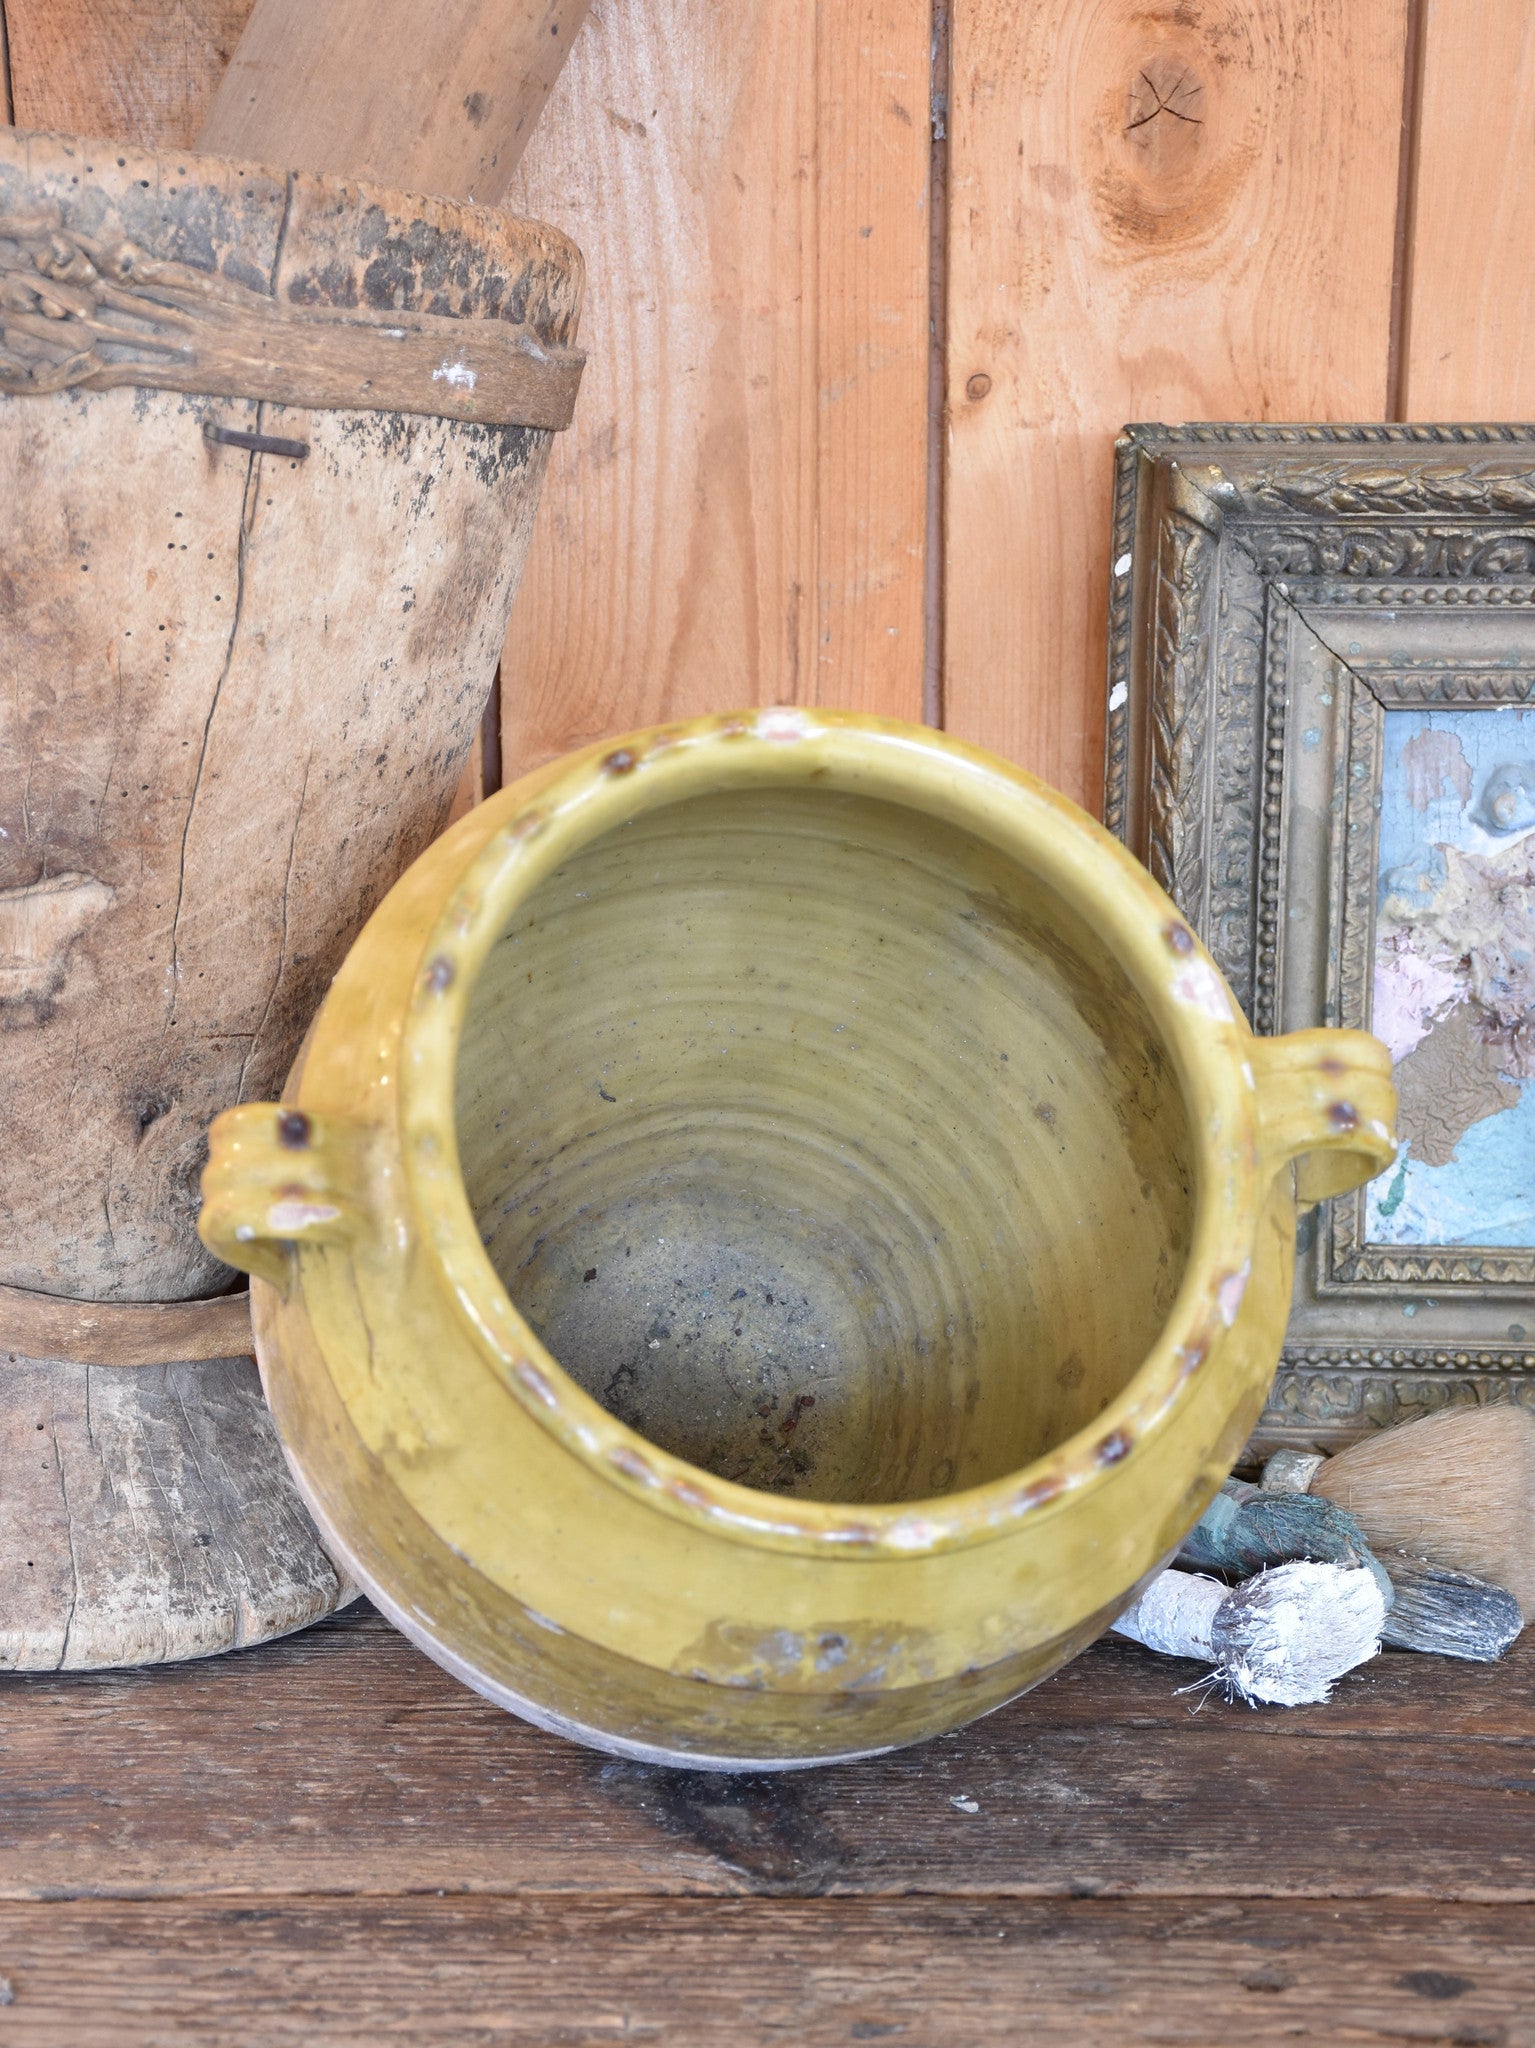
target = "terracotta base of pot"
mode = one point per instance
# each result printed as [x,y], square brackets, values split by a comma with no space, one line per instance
[146,1516]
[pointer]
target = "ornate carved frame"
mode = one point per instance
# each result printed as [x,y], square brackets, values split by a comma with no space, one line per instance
[1276,590]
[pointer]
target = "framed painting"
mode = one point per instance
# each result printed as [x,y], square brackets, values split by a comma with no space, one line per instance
[1321,740]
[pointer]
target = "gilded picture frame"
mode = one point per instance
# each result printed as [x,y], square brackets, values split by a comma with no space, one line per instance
[1321,740]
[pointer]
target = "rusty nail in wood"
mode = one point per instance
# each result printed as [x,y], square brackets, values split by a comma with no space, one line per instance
[258,444]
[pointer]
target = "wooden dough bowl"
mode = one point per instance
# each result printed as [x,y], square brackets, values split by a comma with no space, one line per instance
[271,447]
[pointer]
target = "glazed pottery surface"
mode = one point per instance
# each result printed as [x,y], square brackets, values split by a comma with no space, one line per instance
[778,1229]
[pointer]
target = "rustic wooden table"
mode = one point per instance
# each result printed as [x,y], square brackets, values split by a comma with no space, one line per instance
[328,1841]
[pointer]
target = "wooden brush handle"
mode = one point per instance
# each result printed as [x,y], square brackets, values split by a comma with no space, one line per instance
[1291,1471]
[425,95]
[1175,1615]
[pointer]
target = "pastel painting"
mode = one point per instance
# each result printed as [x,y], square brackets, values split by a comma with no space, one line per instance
[1454,983]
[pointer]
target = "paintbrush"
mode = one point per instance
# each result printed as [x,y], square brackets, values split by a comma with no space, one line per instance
[1280,1638]
[1448,1613]
[1456,1489]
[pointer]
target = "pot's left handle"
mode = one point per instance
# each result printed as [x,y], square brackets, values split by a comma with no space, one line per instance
[1325,1101]
[278,1177]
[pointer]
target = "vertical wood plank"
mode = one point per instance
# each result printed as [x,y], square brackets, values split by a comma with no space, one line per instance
[419,95]
[120,69]
[1181,211]
[737,515]
[1469,331]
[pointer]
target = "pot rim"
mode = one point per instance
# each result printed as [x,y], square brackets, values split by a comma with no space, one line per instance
[551,815]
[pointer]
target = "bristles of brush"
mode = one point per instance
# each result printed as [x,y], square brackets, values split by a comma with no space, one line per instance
[1448,1613]
[1286,1635]
[1429,1607]
[1245,1530]
[1457,1488]
[1281,1638]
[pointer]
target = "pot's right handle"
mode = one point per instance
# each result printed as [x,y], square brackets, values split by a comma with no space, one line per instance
[277,1177]
[1325,1101]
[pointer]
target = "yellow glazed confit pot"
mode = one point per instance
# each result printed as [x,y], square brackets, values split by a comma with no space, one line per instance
[778,1228]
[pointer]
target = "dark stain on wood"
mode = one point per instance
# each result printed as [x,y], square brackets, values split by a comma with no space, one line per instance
[328,1838]
[764,1827]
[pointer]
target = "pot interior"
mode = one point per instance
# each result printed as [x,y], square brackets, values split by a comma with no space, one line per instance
[824,1145]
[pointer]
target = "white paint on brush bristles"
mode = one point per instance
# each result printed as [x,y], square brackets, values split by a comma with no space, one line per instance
[1279,1639]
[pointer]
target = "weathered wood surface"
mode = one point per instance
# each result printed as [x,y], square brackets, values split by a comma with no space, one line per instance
[137,73]
[146,1514]
[328,1840]
[84,311]
[342,1762]
[123,1333]
[424,95]
[920,1973]
[245,687]
[737,515]
[1181,211]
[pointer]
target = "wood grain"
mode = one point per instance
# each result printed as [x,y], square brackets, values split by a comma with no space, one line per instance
[1180,211]
[343,1762]
[193,831]
[74,320]
[695,1973]
[124,1333]
[146,1515]
[121,69]
[422,95]
[737,515]
[1469,332]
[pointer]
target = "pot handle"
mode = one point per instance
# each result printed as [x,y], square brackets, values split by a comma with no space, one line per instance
[1325,1101]
[278,1177]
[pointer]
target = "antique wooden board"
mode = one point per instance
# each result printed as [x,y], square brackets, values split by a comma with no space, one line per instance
[341,1761]
[451,1973]
[327,1840]
[438,98]
[114,67]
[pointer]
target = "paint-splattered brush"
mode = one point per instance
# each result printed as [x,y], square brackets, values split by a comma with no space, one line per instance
[1248,1529]
[1451,1614]
[1448,1613]
[1281,1638]
[1456,1488]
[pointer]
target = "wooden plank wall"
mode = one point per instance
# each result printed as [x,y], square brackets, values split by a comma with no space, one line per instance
[738,516]
[1075,212]
[1176,212]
